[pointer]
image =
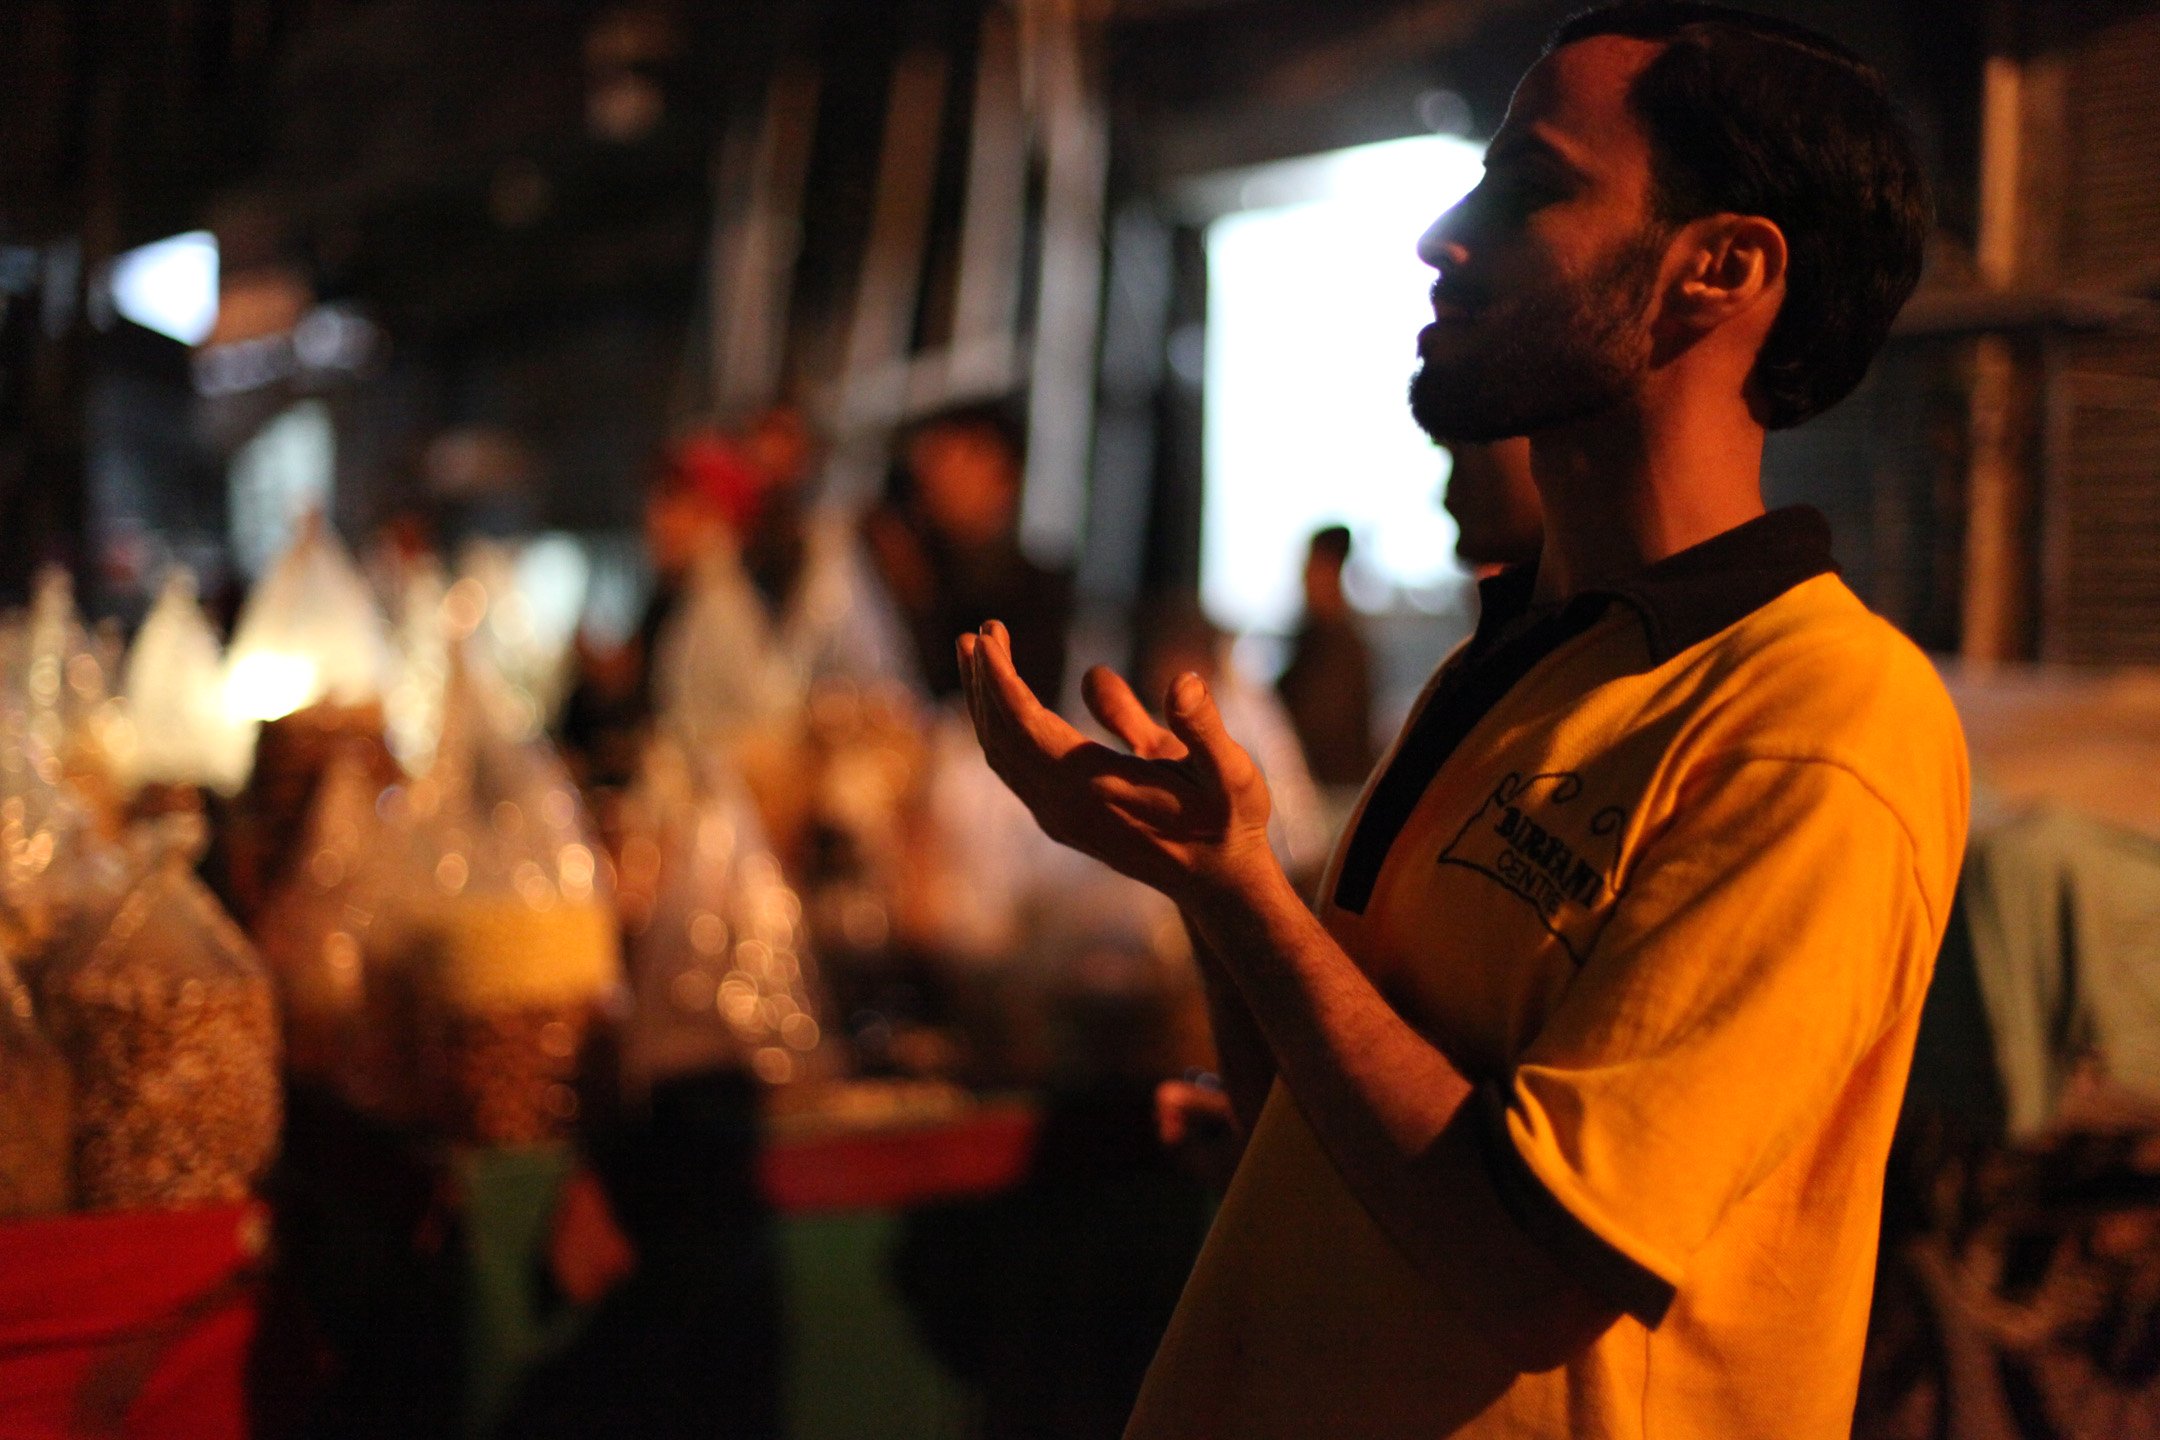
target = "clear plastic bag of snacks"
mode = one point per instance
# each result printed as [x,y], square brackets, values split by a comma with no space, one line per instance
[37,1153]
[722,971]
[512,956]
[168,1022]
[309,632]
[62,721]
[173,683]
[60,870]
[314,930]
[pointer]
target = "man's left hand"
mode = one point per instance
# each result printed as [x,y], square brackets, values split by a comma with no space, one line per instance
[1186,812]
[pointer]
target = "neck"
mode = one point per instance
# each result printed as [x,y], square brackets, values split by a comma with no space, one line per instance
[1628,487]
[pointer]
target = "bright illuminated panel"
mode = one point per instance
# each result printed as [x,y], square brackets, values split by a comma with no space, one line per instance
[170,286]
[1313,314]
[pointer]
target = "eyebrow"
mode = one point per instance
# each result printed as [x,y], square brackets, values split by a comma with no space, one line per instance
[1527,145]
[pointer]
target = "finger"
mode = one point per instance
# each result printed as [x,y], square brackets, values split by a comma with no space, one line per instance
[990,730]
[1111,700]
[1195,720]
[964,646]
[1007,699]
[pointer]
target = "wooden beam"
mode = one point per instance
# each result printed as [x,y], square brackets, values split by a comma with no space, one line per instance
[1062,365]
[890,286]
[761,245]
[986,305]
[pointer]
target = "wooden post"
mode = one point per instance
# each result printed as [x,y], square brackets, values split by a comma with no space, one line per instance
[874,374]
[759,246]
[1062,366]
[1996,598]
[986,305]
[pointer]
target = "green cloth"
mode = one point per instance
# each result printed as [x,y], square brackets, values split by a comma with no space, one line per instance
[2065,914]
[508,1201]
[856,1369]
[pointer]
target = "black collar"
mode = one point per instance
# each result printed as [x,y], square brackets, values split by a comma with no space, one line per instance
[1688,597]
[1683,599]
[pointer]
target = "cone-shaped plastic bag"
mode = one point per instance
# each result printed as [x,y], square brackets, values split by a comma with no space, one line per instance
[58,694]
[310,632]
[419,668]
[718,673]
[169,1024]
[723,975]
[58,868]
[513,953]
[173,682]
[315,928]
[36,1109]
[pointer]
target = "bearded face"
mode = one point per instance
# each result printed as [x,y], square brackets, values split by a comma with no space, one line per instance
[1506,365]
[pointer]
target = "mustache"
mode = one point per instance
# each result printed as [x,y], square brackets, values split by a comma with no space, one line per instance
[1457,292]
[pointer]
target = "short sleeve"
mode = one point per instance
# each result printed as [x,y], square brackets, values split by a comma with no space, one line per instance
[1763,942]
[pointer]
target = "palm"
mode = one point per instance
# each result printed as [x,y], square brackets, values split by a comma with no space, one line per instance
[1174,812]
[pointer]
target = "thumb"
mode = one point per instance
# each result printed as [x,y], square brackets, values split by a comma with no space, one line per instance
[1195,720]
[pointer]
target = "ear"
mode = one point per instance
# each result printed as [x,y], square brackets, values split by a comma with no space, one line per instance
[1733,264]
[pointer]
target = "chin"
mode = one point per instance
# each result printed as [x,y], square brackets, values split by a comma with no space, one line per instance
[1452,412]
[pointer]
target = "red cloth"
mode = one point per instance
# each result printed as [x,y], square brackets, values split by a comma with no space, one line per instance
[891,1170]
[134,1324]
[717,469]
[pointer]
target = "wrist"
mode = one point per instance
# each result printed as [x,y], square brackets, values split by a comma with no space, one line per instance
[1226,901]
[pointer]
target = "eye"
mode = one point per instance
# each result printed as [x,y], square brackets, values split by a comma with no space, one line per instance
[1521,190]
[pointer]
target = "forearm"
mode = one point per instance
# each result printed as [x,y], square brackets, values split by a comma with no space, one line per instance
[1394,1115]
[1375,1091]
[1241,1051]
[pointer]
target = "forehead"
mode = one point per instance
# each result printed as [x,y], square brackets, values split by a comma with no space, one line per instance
[1575,101]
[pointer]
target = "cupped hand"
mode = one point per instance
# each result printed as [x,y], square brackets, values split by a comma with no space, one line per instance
[1185,812]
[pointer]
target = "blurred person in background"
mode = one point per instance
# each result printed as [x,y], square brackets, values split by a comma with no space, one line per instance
[1493,498]
[1328,685]
[760,591]
[828,616]
[699,491]
[948,547]
[1173,637]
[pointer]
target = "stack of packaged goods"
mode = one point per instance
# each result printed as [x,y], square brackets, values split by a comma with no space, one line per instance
[169,1024]
[313,929]
[37,1115]
[508,963]
[723,972]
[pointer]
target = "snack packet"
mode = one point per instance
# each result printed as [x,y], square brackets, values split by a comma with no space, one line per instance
[169,1024]
[36,1109]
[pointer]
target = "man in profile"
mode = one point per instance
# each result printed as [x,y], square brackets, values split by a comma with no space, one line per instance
[1569,1107]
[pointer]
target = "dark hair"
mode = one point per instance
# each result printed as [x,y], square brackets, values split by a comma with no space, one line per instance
[1331,542]
[1754,116]
[998,419]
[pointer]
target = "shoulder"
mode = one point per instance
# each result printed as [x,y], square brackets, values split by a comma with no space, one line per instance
[1815,678]
[1822,672]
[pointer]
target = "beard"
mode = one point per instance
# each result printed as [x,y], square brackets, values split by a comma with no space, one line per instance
[1546,358]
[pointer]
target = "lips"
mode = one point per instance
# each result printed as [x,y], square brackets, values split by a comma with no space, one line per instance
[1452,309]
[1449,319]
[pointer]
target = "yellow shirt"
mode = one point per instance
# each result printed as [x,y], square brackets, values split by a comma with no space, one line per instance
[1663,873]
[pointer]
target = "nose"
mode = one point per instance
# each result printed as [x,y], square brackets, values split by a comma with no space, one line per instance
[1441,245]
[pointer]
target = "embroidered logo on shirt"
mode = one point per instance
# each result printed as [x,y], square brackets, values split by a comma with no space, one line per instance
[1538,839]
